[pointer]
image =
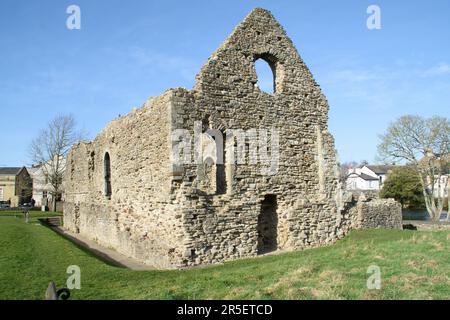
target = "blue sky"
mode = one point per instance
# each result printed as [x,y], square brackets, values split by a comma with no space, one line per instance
[129,51]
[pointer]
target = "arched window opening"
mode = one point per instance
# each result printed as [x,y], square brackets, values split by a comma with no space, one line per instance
[221,180]
[205,124]
[214,154]
[107,164]
[265,75]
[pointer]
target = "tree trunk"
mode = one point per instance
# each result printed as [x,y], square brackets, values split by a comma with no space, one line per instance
[448,208]
[54,203]
[448,197]
[434,205]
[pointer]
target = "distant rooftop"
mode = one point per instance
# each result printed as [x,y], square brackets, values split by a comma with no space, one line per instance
[364,176]
[367,177]
[10,170]
[381,169]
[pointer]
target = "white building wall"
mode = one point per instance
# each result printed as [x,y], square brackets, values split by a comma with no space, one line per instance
[441,189]
[357,183]
[41,187]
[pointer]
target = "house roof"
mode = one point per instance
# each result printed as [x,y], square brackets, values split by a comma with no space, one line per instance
[367,177]
[364,176]
[33,170]
[381,169]
[10,170]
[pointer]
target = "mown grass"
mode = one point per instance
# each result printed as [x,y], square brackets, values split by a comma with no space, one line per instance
[32,214]
[414,265]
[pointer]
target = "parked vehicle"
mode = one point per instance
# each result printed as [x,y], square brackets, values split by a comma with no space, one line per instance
[4,205]
[25,206]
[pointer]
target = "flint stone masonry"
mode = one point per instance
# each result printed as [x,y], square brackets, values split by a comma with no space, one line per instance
[377,213]
[171,216]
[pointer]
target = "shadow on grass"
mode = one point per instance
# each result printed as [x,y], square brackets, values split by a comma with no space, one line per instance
[83,246]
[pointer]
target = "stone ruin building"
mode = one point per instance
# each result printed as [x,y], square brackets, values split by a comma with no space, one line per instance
[125,191]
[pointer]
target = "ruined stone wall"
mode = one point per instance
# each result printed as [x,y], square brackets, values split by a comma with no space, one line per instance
[376,213]
[169,214]
[224,226]
[139,219]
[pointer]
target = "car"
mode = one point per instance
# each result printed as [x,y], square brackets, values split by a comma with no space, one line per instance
[25,206]
[4,205]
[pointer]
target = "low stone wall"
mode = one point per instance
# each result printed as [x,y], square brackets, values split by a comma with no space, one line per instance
[377,213]
[369,194]
[426,225]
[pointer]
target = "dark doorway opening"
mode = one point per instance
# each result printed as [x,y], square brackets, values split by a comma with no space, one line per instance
[268,225]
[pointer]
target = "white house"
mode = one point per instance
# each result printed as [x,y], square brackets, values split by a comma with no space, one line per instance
[362,181]
[441,188]
[42,188]
[40,185]
[368,177]
[379,171]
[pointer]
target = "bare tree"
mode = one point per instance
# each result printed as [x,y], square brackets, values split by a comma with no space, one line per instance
[50,148]
[448,196]
[424,143]
[363,163]
[344,169]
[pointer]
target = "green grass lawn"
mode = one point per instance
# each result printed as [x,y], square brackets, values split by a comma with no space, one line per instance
[414,265]
[33,214]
